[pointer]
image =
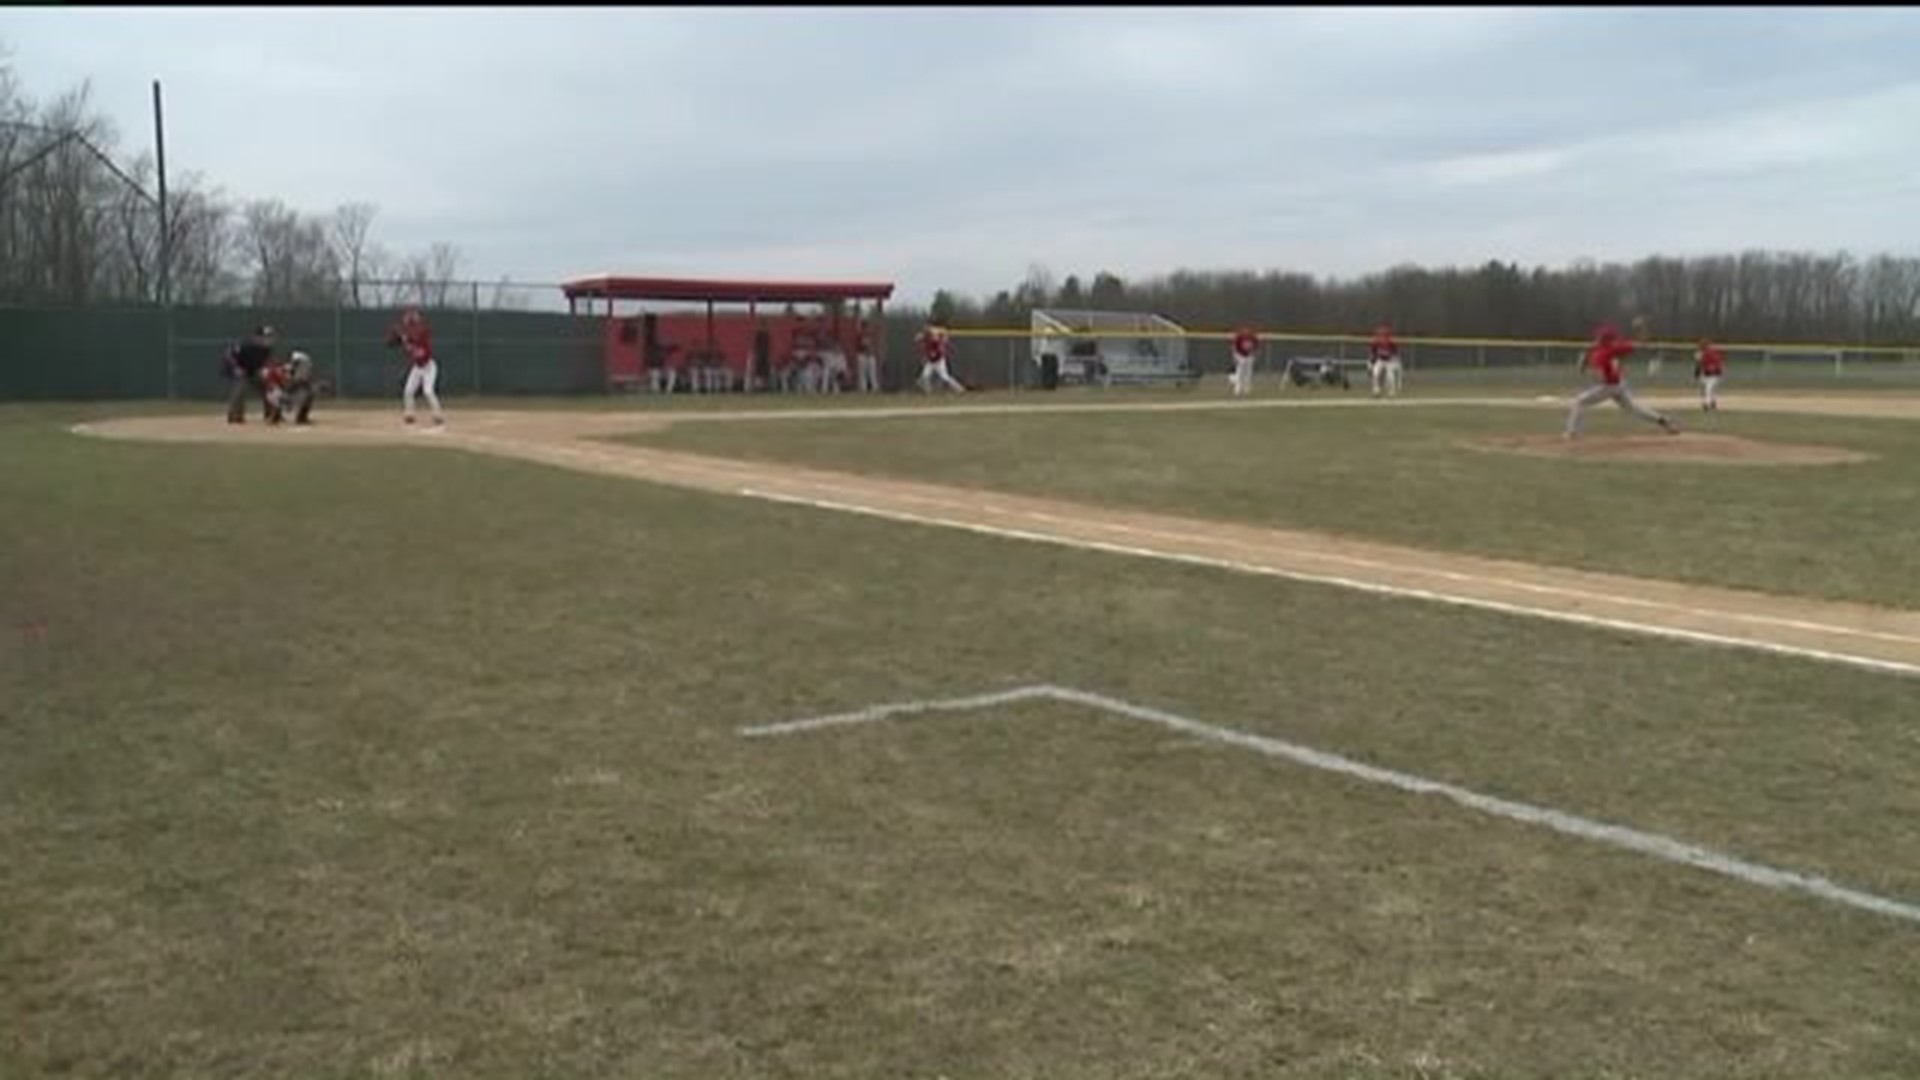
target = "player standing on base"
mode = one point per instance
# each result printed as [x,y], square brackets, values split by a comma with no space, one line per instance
[1383,356]
[1246,346]
[1709,365]
[415,337]
[1603,359]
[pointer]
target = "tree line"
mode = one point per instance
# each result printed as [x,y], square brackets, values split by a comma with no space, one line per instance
[81,225]
[1787,297]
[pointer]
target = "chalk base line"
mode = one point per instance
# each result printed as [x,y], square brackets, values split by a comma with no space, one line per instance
[1652,845]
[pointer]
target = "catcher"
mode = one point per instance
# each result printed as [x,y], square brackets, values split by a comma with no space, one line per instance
[290,387]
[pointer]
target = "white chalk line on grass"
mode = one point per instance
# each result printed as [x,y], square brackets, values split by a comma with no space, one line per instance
[748,472]
[1364,563]
[1698,637]
[1654,845]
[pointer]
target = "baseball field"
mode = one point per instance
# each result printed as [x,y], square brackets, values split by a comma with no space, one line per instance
[1090,734]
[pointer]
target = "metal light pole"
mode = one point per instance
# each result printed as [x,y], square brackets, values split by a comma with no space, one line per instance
[166,233]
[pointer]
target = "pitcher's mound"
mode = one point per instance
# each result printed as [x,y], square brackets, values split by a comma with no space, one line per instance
[1685,448]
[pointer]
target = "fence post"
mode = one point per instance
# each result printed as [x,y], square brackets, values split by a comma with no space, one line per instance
[339,355]
[1010,385]
[476,337]
[173,383]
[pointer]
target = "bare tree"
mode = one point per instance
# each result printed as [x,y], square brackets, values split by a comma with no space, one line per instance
[62,199]
[133,265]
[348,233]
[507,296]
[202,243]
[443,263]
[291,260]
[427,278]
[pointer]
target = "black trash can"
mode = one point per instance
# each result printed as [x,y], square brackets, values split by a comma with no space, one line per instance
[1049,371]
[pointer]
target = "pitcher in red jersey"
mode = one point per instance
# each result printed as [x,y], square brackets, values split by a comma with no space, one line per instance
[1603,360]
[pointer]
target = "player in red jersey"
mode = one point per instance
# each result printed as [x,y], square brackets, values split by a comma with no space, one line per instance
[934,354]
[1246,347]
[1709,366]
[274,379]
[1383,361]
[1603,359]
[415,338]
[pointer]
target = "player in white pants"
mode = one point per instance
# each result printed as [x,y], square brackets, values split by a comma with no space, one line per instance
[833,364]
[934,352]
[1709,366]
[416,338]
[1383,365]
[1603,358]
[869,370]
[1246,348]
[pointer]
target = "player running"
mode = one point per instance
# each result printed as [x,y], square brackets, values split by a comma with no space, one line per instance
[1246,346]
[1709,366]
[1603,359]
[934,353]
[415,337]
[1383,361]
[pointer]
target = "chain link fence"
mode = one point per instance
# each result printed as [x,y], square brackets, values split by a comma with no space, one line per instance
[508,338]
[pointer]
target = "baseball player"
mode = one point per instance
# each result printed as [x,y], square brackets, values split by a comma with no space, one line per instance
[1246,346]
[1709,366]
[415,337]
[274,379]
[869,364]
[296,388]
[934,352]
[1603,359]
[1383,361]
[245,366]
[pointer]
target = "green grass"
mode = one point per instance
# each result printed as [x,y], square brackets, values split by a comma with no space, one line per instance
[1404,475]
[358,762]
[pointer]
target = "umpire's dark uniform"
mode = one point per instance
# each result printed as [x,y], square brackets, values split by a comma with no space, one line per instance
[246,362]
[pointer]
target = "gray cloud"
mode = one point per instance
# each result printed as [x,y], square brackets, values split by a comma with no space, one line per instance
[957,146]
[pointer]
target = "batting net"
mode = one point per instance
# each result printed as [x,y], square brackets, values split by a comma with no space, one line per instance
[1106,348]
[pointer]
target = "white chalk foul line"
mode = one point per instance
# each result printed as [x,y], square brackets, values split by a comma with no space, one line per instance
[1363,563]
[1654,845]
[1698,637]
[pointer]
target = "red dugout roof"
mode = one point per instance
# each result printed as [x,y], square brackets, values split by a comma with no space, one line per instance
[614,287]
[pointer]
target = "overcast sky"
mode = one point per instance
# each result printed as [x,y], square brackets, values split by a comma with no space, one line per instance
[957,147]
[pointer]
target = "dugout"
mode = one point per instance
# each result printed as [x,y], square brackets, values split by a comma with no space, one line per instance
[1109,348]
[726,335]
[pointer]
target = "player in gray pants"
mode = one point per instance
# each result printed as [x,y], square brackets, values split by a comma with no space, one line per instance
[1604,360]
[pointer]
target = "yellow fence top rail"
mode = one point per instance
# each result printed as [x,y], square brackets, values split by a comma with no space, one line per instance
[1487,343]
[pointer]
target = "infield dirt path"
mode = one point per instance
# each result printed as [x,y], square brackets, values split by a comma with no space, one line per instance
[1856,634]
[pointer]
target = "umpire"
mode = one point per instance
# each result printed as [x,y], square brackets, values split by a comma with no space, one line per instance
[245,365]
